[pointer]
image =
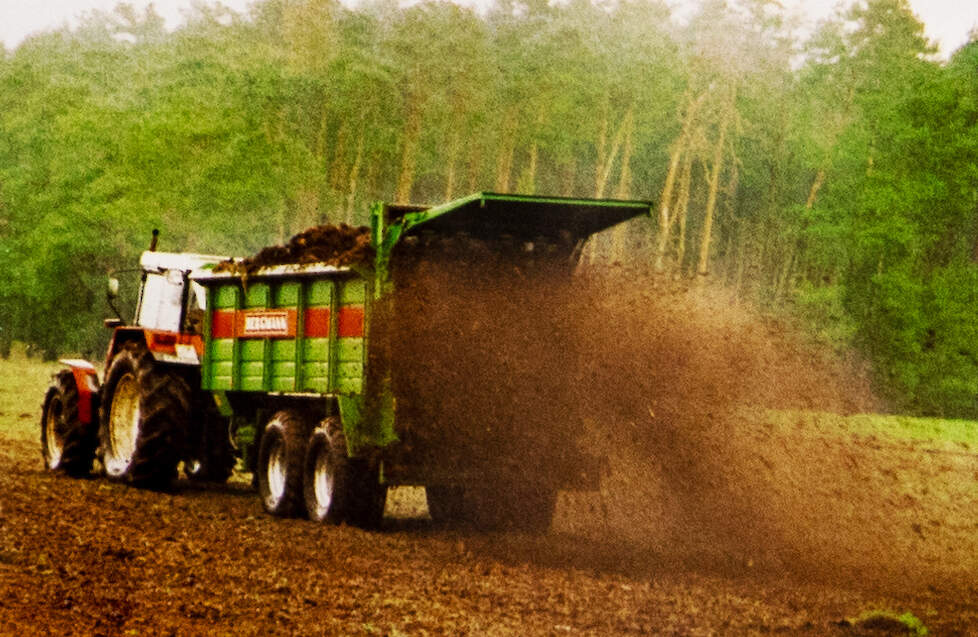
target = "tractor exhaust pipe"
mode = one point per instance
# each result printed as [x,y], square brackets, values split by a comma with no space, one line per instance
[152,242]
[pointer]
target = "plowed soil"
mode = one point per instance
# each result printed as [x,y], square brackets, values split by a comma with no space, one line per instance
[730,504]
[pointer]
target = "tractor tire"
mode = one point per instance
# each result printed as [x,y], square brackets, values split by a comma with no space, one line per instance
[339,489]
[67,444]
[213,459]
[281,456]
[143,419]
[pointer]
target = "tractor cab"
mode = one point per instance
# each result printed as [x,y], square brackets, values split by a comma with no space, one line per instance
[168,300]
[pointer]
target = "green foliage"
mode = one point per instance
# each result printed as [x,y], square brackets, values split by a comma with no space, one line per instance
[886,621]
[848,181]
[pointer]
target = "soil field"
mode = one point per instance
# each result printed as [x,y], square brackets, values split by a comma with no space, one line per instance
[791,523]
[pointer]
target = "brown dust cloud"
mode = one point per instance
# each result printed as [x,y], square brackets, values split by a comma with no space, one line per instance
[704,414]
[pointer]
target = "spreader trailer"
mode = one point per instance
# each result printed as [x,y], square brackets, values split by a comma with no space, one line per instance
[296,359]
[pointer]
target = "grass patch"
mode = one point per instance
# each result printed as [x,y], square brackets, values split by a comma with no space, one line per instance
[960,433]
[889,623]
[23,382]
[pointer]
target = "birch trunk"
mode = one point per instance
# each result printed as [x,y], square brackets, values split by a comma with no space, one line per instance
[409,156]
[679,148]
[703,267]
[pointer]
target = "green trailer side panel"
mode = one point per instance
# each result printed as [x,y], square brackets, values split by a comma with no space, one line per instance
[322,363]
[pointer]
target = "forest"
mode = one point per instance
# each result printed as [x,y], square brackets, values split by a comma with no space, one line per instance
[829,178]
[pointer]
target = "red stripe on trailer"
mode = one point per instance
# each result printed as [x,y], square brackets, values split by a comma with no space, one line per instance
[351,321]
[222,324]
[317,322]
[276,323]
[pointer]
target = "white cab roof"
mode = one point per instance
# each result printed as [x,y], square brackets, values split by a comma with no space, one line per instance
[184,261]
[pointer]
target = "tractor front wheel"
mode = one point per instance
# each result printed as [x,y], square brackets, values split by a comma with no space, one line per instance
[143,419]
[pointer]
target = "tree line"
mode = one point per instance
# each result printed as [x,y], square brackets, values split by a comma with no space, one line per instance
[832,178]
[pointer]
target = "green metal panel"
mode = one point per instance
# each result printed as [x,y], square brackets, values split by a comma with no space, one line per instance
[353,292]
[349,350]
[225,296]
[282,376]
[284,349]
[320,293]
[221,349]
[258,295]
[252,349]
[316,349]
[286,294]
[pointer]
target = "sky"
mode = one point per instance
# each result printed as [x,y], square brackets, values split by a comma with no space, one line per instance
[947,22]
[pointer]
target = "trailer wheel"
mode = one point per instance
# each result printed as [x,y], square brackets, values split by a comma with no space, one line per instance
[338,488]
[280,463]
[143,419]
[67,444]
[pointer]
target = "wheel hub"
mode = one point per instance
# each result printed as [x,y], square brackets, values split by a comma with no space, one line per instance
[123,425]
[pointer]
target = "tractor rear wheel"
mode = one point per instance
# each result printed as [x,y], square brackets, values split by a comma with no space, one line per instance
[67,444]
[212,456]
[338,488]
[143,419]
[281,455]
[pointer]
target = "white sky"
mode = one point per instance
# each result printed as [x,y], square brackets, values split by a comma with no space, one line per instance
[946,21]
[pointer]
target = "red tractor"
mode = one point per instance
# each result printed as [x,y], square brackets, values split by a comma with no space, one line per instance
[146,414]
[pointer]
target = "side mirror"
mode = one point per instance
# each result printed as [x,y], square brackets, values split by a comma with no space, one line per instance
[113,289]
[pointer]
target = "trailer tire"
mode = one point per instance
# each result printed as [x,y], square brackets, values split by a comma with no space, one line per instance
[143,419]
[281,456]
[338,488]
[67,444]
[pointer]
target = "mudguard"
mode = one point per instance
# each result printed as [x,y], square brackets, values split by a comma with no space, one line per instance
[86,378]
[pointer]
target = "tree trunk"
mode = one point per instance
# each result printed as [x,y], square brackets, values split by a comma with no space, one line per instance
[507,148]
[813,191]
[337,170]
[682,210]
[605,165]
[450,161]
[703,268]
[679,148]
[409,156]
[355,172]
[624,190]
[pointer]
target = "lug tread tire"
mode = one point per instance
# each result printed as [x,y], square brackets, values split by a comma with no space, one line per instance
[215,453]
[290,429]
[78,440]
[164,408]
[358,497]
